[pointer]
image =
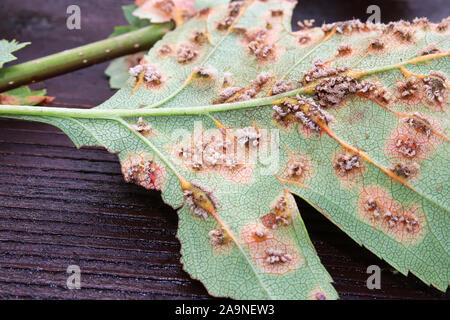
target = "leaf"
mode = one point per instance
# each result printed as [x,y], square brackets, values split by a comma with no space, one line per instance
[24,95]
[117,70]
[134,22]
[158,11]
[7,48]
[351,117]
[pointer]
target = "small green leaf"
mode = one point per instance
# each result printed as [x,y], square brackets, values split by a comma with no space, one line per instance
[24,95]
[7,48]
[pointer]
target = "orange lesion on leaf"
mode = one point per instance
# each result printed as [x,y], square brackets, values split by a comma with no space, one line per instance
[299,167]
[405,224]
[274,252]
[415,138]
[349,168]
[317,294]
[165,10]
[143,170]
[366,157]
[221,242]
[216,151]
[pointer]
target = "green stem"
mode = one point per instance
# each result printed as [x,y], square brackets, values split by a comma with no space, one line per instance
[81,57]
[143,112]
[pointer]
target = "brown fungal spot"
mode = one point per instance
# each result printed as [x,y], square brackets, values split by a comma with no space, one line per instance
[401,30]
[275,253]
[258,45]
[142,171]
[260,49]
[351,26]
[270,221]
[299,168]
[346,162]
[421,22]
[377,44]
[303,110]
[443,25]
[198,37]
[282,208]
[304,39]
[204,12]
[330,92]
[153,75]
[405,224]
[136,70]
[164,50]
[344,49]
[186,53]
[221,242]
[217,237]
[406,146]
[435,86]
[319,70]
[205,73]
[282,86]
[275,256]
[409,87]
[218,152]
[419,123]
[247,136]
[295,169]
[317,294]
[246,94]
[233,94]
[201,201]
[232,13]
[381,93]
[261,80]
[227,81]
[414,137]
[150,74]
[430,49]
[142,127]
[276,12]
[349,168]
[405,170]
[228,93]
[166,6]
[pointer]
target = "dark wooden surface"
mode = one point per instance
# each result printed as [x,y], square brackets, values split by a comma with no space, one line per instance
[61,206]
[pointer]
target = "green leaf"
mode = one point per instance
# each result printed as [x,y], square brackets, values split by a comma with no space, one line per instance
[7,48]
[351,117]
[135,23]
[22,95]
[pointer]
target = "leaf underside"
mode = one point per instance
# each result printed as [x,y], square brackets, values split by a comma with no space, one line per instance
[355,165]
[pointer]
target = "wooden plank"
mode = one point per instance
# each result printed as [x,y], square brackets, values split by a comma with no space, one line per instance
[62,206]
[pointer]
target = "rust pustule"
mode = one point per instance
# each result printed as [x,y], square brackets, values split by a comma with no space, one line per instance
[303,110]
[186,53]
[405,170]
[232,13]
[201,201]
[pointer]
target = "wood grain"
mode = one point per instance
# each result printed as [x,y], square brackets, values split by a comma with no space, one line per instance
[61,206]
